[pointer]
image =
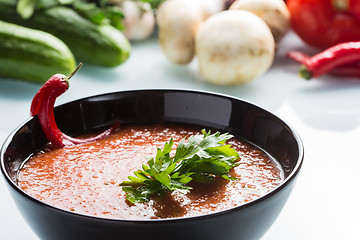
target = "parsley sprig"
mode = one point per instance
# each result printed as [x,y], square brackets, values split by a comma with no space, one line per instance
[199,158]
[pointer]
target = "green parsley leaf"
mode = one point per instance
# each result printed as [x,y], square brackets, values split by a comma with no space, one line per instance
[199,158]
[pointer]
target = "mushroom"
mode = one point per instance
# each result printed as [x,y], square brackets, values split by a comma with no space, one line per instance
[139,19]
[274,12]
[210,7]
[234,47]
[178,22]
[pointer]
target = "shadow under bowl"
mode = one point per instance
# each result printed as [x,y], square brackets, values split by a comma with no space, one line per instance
[209,110]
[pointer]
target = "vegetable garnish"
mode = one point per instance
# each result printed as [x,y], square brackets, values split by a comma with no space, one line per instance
[199,158]
[43,106]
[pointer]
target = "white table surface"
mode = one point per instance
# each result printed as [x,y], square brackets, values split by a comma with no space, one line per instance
[325,112]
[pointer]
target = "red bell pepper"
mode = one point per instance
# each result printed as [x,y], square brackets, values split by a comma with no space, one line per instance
[325,23]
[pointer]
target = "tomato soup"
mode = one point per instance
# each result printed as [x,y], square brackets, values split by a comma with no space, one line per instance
[85,178]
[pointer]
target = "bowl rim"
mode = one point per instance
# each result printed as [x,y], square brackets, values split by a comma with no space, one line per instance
[287,180]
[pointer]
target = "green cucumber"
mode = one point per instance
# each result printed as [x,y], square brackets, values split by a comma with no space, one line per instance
[101,45]
[32,55]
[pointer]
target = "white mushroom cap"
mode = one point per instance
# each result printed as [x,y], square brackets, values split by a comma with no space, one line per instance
[274,12]
[178,22]
[234,47]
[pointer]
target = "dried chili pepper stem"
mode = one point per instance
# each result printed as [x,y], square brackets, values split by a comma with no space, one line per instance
[75,71]
[43,106]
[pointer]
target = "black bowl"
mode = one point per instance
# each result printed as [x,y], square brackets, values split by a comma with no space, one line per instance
[242,119]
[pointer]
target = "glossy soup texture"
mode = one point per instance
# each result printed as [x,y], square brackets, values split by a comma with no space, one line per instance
[85,178]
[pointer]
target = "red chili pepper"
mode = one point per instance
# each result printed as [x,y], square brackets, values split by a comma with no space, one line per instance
[345,70]
[299,57]
[43,106]
[342,59]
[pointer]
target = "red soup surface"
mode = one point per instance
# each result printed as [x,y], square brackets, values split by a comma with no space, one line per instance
[85,178]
